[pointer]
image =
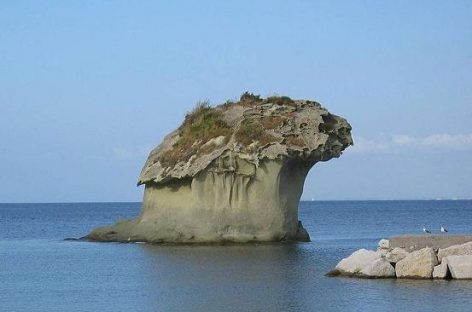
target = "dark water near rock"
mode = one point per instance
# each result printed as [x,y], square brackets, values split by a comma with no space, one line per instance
[40,271]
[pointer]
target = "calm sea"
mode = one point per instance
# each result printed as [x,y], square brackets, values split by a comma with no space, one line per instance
[40,271]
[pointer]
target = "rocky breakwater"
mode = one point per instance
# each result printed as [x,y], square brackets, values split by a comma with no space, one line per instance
[233,173]
[453,262]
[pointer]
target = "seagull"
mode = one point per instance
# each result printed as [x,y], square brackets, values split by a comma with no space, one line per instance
[426,230]
[443,229]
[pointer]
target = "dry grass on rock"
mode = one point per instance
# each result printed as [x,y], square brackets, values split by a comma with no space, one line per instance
[252,130]
[272,122]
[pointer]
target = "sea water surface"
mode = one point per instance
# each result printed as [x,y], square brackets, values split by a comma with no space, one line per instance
[40,271]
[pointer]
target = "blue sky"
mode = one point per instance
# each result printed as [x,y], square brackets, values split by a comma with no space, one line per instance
[87,88]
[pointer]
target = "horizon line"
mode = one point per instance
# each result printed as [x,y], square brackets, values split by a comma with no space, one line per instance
[301,200]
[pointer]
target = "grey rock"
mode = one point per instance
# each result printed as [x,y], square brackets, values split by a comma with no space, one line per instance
[460,266]
[383,252]
[441,271]
[456,250]
[396,254]
[379,268]
[417,264]
[302,234]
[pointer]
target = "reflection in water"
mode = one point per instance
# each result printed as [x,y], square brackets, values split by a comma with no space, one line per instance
[272,277]
[236,277]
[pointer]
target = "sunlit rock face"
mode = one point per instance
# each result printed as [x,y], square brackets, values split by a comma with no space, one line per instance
[233,173]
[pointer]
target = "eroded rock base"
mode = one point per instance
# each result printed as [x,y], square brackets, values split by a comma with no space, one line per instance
[128,231]
[232,201]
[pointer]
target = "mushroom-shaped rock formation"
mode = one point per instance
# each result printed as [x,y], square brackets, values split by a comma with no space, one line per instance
[233,173]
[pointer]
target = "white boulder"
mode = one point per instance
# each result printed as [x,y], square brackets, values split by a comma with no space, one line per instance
[418,264]
[456,250]
[357,261]
[460,266]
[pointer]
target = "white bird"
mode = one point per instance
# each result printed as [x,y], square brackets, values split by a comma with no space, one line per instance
[443,229]
[426,230]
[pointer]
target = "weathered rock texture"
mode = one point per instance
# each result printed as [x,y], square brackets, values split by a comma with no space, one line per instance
[378,268]
[396,254]
[418,264]
[460,266]
[441,270]
[233,173]
[357,261]
[457,250]
[364,263]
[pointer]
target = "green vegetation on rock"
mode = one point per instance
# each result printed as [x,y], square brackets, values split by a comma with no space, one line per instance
[252,130]
[202,124]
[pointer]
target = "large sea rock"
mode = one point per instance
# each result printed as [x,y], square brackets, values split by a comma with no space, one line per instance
[233,173]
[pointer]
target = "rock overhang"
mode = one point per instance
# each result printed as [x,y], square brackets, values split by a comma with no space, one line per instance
[252,129]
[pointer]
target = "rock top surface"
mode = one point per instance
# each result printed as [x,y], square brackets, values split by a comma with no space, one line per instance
[435,241]
[251,129]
